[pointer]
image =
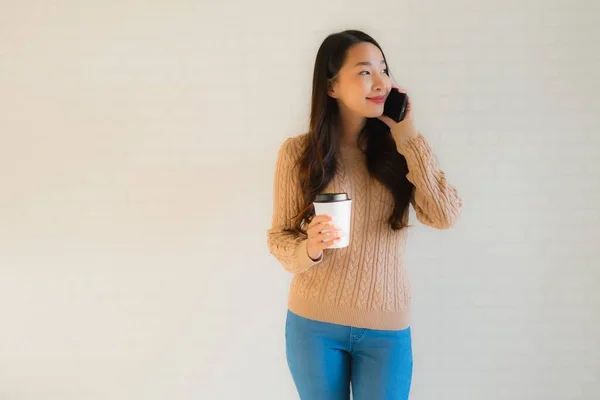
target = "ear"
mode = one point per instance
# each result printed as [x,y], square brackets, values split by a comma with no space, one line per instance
[331,88]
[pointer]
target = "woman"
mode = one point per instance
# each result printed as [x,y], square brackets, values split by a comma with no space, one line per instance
[348,323]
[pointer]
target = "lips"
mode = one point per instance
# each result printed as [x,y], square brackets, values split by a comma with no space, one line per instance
[378,99]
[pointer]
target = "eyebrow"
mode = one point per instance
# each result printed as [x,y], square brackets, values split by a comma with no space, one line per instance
[367,63]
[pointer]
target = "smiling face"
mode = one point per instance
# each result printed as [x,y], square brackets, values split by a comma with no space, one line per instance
[363,83]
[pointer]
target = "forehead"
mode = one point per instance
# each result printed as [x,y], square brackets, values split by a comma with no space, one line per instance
[366,52]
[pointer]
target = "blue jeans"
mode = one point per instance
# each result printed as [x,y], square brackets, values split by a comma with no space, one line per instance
[326,359]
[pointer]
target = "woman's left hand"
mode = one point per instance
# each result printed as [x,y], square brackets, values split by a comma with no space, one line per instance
[408,114]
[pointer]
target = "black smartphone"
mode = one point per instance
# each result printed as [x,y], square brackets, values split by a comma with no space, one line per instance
[395,105]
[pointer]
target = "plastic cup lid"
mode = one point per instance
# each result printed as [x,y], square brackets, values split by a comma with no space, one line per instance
[331,197]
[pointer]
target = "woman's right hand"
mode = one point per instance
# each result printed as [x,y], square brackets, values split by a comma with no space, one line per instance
[319,240]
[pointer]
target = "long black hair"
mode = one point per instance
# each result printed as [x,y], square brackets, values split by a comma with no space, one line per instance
[318,162]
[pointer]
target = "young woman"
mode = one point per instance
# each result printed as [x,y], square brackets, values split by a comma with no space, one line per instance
[348,323]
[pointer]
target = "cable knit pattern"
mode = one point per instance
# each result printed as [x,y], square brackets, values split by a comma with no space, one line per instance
[365,284]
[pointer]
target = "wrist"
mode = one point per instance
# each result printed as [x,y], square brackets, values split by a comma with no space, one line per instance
[404,129]
[312,255]
[315,259]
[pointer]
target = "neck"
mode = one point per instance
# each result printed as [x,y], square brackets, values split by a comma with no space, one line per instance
[351,125]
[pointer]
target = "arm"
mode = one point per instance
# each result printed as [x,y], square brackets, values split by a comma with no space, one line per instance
[287,246]
[436,202]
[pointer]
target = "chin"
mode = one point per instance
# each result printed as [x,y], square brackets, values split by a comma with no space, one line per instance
[369,111]
[373,113]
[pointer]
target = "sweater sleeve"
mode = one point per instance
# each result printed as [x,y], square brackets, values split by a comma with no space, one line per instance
[288,246]
[436,202]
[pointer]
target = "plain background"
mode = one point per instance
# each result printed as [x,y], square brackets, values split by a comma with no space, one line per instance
[138,142]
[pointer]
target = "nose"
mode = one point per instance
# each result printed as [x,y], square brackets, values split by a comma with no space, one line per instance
[380,85]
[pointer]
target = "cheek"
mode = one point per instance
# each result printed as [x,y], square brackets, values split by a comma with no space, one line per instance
[358,91]
[363,86]
[355,92]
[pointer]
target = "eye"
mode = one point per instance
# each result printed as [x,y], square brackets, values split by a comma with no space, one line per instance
[385,71]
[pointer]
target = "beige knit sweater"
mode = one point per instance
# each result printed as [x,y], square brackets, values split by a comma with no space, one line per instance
[365,284]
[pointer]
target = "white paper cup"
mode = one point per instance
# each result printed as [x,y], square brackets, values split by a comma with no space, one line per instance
[339,206]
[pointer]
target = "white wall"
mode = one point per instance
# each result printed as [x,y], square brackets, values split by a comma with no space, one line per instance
[137,147]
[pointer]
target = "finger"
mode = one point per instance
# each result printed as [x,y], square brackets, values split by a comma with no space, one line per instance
[320,219]
[332,242]
[327,236]
[326,244]
[396,86]
[321,228]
